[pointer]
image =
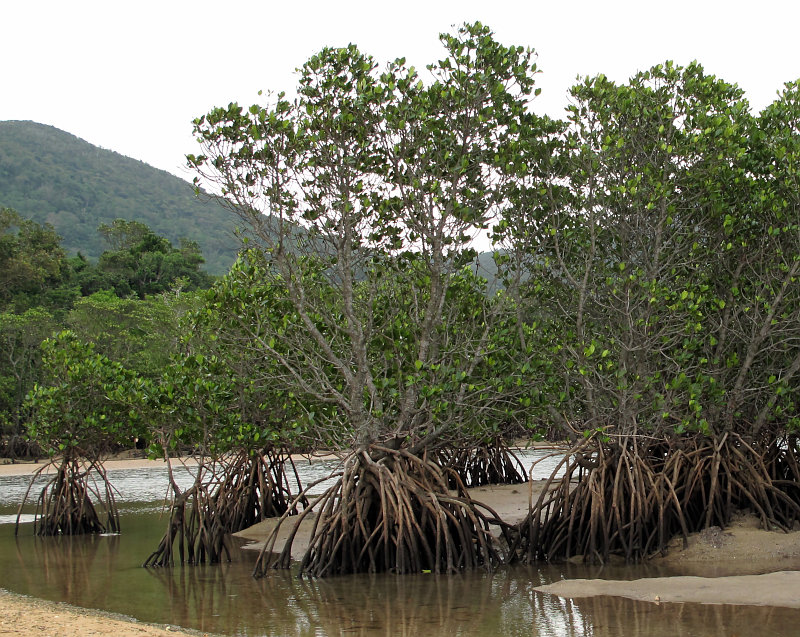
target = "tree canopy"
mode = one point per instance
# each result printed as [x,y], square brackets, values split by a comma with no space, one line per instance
[127,305]
[376,184]
[648,246]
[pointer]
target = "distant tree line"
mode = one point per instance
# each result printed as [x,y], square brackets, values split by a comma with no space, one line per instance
[53,177]
[126,303]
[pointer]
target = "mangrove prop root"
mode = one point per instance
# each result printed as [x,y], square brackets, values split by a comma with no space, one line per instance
[227,496]
[76,500]
[479,466]
[391,512]
[194,534]
[630,497]
[255,487]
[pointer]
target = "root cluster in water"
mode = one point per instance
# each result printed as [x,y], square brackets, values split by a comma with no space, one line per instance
[391,511]
[77,499]
[194,534]
[228,496]
[629,497]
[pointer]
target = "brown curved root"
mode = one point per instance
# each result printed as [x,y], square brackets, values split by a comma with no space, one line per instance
[78,499]
[478,466]
[235,493]
[392,512]
[194,534]
[631,497]
[254,487]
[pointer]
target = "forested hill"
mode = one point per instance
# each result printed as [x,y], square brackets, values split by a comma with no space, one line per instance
[51,176]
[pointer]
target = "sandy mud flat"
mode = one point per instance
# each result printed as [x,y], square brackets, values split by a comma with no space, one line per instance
[29,617]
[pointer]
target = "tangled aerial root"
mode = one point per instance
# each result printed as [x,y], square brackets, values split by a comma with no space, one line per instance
[782,463]
[78,499]
[485,464]
[226,497]
[194,527]
[630,497]
[391,511]
[254,487]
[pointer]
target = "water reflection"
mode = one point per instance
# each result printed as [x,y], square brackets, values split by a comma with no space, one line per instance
[77,569]
[390,605]
[203,597]
[105,573]
[618,617]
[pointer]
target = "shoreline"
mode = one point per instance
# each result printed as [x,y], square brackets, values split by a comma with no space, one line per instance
[28,468]
[131,460]
[34,617]
[742,564]
[777,590]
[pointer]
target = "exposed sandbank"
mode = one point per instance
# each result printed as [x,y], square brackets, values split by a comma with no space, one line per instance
[30,617]
[742,564]
[769,589]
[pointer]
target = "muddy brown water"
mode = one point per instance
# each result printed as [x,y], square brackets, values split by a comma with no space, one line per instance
[105,573]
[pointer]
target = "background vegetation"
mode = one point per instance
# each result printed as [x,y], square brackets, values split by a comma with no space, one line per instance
[53,177]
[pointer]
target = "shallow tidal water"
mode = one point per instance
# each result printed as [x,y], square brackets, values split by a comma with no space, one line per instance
[106,573]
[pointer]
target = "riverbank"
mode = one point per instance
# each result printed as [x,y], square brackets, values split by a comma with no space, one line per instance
[125,461]
[8,468]
[134,460]
[770,589]
[742,564]
[28,617]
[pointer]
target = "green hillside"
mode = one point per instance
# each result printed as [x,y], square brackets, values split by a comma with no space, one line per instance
[51,176]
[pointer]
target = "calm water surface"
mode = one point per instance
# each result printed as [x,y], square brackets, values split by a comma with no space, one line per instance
[105,573]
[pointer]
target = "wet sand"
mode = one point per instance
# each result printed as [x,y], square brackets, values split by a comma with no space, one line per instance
[123,462]
[770,589]
[743,548]
[29,617]
[29,468]
[742,564]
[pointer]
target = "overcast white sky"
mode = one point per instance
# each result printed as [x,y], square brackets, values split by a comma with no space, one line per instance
[131,76]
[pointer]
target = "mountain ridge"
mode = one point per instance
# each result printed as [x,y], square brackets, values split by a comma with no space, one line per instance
[52,176]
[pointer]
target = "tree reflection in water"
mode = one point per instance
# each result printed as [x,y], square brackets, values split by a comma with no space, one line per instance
[105,572]
[199,597]
[72,567]
[381,604]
